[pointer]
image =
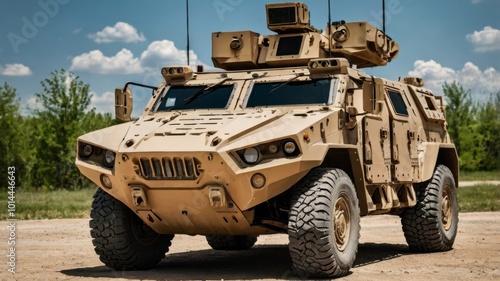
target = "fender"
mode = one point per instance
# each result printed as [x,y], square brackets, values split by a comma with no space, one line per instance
[431,154]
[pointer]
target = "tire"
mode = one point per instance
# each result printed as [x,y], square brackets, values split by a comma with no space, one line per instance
[121,239]
[324,224]
[231,242]
[431,225]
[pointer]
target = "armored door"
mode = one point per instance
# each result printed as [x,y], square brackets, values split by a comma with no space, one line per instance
[377,151]
[403,145]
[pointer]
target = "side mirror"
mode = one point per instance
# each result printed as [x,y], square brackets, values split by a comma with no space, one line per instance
[373,95]
[123,104]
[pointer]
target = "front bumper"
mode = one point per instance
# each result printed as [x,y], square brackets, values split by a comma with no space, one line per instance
[203,193]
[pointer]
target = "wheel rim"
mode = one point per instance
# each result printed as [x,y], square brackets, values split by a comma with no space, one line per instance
[446,207]
[342,223]
[144,234]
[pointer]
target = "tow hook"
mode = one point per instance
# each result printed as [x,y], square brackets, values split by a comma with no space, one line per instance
[139,196]
[217,196]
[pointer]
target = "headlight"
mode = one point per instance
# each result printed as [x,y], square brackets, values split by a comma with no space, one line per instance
[285,148]
[258,180]
[86,150]
[289,147]
[109,158]
[251,155]
[96,155]
[106,181]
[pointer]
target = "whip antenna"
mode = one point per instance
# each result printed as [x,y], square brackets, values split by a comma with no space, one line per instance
[329,30]
[383,16]
[187,29]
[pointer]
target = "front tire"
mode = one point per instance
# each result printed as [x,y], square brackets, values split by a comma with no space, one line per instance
[431,226]
[121,239]
[231,242]
[324,224]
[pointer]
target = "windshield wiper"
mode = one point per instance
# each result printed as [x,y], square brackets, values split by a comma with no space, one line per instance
[205,91]
[288,81]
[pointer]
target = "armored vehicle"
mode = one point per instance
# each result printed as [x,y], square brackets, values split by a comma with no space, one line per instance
[291,137]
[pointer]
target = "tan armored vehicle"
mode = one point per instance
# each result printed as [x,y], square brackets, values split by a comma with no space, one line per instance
[291,138]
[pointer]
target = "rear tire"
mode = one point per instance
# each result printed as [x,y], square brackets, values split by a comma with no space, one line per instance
[121,239]
[431,226]
[231,242]
[324,224]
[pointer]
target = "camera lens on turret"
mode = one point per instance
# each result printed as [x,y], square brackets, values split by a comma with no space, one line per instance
[236,44]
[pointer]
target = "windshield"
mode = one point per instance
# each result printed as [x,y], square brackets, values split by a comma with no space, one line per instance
[181,97]
[284,93]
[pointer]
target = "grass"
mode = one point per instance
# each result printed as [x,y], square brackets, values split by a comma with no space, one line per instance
[76,204]
[479,198]
[49,204]
[480,176]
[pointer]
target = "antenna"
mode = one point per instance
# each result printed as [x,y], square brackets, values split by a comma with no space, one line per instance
[329,30]
[383,16]
[187,29]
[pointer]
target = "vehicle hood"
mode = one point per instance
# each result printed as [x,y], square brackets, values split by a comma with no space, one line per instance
[210,131]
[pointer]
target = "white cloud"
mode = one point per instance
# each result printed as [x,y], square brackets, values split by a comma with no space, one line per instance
[96,62]
[161,53]
[482,83]
[121,32]
[157,55]
[103,103]
[485,40]
[15,69]
[33,104]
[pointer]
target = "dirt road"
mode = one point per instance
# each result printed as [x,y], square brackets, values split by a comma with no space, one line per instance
[62,250]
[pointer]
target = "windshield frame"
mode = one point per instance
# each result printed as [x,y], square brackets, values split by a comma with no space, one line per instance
[166,89]
[331,96]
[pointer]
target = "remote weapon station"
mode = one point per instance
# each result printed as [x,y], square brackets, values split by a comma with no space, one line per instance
[291,138]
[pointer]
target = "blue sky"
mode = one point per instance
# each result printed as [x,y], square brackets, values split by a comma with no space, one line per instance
[107,43]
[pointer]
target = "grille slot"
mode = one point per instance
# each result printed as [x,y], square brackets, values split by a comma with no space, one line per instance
[170,168]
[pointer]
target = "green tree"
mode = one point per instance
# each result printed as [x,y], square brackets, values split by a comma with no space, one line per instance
[42,145]
[27,144]
[489,125]
[95,121]
[10,120]
[63,116]
[464,130]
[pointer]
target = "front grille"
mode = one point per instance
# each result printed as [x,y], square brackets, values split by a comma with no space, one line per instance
[166,168]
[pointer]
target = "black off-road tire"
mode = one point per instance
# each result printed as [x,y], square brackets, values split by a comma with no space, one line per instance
[431,226]
[121,239]
[324,224]
[231,242]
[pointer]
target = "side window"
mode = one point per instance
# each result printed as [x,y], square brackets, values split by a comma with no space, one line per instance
[398,103]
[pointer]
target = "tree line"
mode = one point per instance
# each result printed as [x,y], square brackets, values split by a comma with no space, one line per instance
[41,145]
[474,127]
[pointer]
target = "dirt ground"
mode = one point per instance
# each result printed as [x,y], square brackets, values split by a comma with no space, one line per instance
[62,250]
